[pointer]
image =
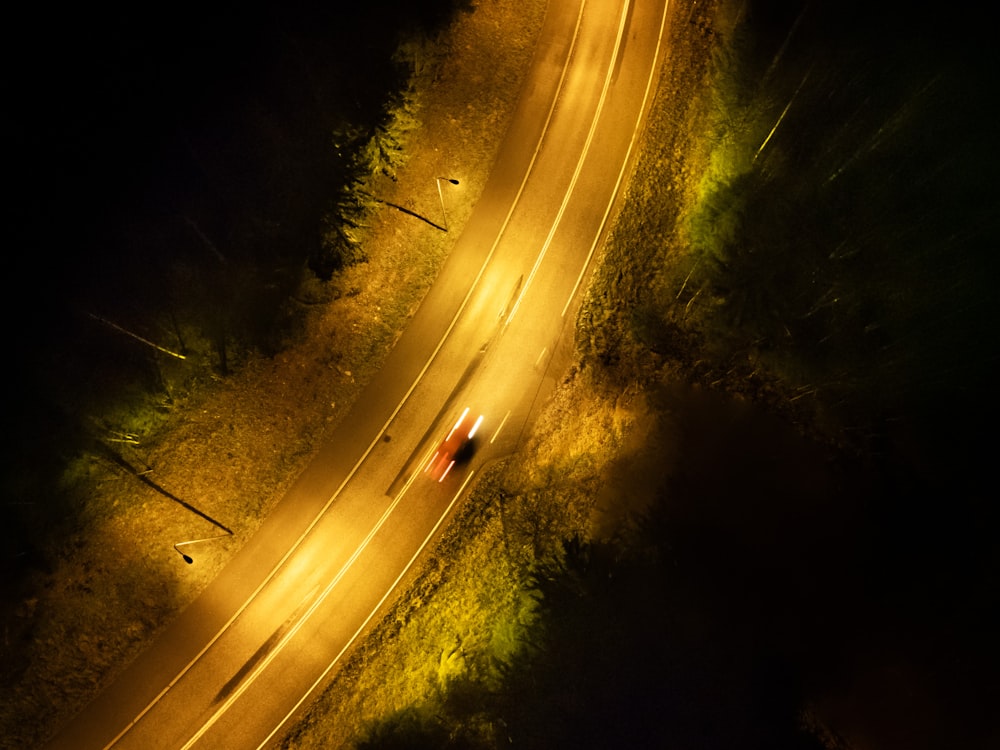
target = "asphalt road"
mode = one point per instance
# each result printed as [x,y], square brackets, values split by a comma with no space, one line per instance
[235,668]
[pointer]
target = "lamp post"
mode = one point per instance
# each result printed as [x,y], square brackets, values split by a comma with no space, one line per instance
[187,558]
[441,198]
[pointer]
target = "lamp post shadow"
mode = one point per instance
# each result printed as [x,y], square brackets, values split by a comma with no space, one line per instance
[150,483]
[121,462]
[410,212]
[141,476]
[226,531]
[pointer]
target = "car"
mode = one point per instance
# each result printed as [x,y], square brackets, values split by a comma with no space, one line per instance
[456,448]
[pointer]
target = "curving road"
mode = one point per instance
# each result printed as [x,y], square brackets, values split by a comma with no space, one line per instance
[235,668]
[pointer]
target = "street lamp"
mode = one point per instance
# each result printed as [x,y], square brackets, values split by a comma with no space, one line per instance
[441,198]
[187,558]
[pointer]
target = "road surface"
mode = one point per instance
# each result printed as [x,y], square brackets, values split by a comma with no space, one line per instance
[238,665]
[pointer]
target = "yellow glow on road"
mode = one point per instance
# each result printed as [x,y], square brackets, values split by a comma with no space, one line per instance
[468,302]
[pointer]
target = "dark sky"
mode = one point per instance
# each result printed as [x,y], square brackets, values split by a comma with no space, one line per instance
[98,102]
[104,100]
[104,106]
[113,118]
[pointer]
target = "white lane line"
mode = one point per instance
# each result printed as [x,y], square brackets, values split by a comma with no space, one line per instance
[279,647]
[502,423]
[628,155]
[375,609]
[608,77]
[267,579]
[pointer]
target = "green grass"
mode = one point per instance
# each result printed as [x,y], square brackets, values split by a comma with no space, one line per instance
[452,627]
[841,215]
[107,579]
[734,265]
[437,662]
[442,654]
[730,266]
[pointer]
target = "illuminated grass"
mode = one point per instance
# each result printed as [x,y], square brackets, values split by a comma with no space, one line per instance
[433,666]
[232,446]
[461,619]
[654,315]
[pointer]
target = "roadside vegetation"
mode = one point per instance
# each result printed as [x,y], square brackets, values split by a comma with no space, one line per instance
[122,450]
[718,533]
[715,534]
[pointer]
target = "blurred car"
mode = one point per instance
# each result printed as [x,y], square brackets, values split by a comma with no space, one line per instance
[456,448]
